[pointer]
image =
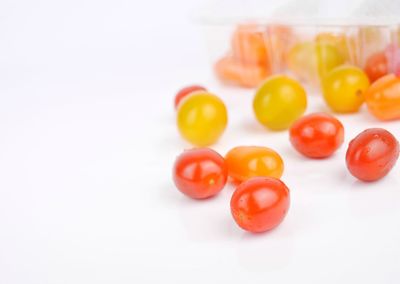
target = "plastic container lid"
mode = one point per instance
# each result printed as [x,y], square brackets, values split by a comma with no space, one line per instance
[306,12]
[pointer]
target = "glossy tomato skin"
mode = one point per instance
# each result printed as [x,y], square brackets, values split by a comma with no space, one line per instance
[260,204]
[377,66]
[200,173]
[372,154]
[317,135]
[383,98]
[279,101]
[185,92]
[245,162]
[344,89]
[202,118]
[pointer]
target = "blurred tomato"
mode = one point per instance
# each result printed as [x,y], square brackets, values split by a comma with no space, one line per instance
[248,44]
[377,66]
[232,71]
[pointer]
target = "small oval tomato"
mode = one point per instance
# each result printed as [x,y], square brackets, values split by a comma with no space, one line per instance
[185,92]
[377,66]
[317,135]
[279,102]
[383,98]
[372,154]
[344,89]
[200,173]
[245,162]
[202,118]
[231,71]
[260,204]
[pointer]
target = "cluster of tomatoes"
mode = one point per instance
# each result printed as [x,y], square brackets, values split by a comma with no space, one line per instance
[261,199]
[258,51]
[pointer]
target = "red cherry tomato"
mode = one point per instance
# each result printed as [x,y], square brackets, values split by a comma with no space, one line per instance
[317,135]
[372,154]
[186,91]
[377,66]
[260,204]
[200,173]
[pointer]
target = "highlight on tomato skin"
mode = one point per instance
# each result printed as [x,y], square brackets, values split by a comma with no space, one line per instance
[200,173]
[279,101]
[344,88]
[184,92]
[202,118]
[383,98]
[245,162]
[372,154]
[317,135]
[260,204]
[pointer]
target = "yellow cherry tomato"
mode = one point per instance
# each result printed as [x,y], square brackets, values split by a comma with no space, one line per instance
[279,102]
[344,44]
[344,89]
[202,118]
[310,61]
[245,162]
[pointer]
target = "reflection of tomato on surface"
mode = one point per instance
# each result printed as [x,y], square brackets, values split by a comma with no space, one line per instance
[383,98]
[231,71]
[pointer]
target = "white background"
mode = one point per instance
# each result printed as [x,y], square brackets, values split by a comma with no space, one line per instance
[88,140]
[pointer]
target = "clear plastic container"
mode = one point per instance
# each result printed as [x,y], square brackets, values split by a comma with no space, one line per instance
[247,47]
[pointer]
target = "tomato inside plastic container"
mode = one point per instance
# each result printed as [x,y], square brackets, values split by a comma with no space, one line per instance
[252,42]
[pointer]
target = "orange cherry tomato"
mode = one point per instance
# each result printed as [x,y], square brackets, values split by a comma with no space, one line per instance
[372,154]
[317,135]
[377,66]
[248,44]
[245,162]
[383,98]
[260,204]
[185,92]
[232,71]
[200,173]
